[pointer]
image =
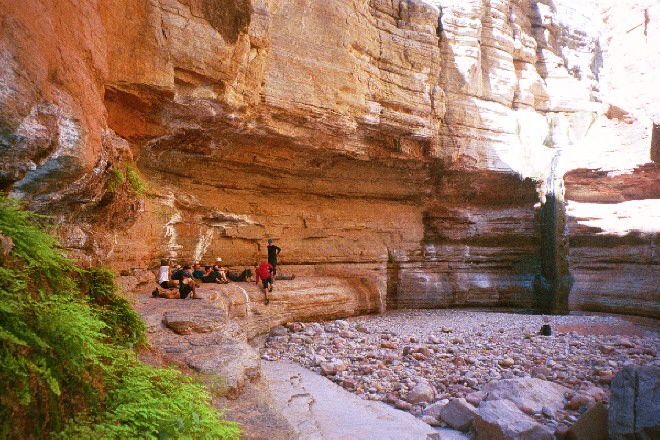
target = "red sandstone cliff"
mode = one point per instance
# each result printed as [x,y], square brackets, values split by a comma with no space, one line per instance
[419,132]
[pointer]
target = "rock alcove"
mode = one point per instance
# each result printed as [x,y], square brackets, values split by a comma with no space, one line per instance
[416,135]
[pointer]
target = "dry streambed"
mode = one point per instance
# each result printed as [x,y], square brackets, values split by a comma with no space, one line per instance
[418,360]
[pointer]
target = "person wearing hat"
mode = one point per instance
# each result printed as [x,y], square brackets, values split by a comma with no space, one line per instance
[273,252]
[220,272]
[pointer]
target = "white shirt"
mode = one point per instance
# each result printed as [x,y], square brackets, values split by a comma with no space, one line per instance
[163,274]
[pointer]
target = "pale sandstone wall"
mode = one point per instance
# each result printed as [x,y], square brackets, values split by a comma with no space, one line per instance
[613,202]
[348,131]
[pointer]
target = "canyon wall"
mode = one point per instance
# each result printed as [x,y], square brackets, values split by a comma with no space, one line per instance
[420,139]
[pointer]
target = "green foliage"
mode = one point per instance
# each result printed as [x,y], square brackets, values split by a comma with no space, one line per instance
[131,175]
[49,340]
[135,180]
[169,406]
[64,368]
[124,326]
[391,258]
[117,179]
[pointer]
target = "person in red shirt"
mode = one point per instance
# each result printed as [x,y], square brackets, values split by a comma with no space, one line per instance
[265,273]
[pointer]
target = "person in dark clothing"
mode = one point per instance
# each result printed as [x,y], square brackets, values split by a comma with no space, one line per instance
[187,284]
[273,252]
[212,276]
[265,273]
[176,273]
[198,272]
[234,275]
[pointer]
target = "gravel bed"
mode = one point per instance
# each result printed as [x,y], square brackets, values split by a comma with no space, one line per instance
[457,352]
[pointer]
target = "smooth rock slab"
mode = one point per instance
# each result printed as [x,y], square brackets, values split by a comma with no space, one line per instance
[187,322]
[502,420]
[319,409]
[528,393]
[234,361]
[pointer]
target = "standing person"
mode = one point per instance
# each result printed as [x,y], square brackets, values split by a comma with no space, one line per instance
[273,252]
[265,273]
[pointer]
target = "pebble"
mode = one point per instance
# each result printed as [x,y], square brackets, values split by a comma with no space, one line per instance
[548,412]
[456,352]
[431,420]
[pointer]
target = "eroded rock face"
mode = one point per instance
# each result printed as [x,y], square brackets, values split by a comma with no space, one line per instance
[634,405]
[403,133]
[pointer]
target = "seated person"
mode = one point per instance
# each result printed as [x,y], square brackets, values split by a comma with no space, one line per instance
[198,272]
[164,275]
[221,271]
[234,275]
[212,276]
[176,273]
[187,284]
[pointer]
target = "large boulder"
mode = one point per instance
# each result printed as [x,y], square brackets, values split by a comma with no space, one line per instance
[635,404]
[529,394]
[592,425]
[502,420]
[458,414]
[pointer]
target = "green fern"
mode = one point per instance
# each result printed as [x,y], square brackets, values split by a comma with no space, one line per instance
[123,326]
[63,333]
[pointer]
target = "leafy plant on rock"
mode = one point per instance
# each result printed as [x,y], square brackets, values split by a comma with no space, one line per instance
[117,179]
[66,371]
[135,180]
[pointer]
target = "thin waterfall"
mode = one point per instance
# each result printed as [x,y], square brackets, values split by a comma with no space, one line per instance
[553,284]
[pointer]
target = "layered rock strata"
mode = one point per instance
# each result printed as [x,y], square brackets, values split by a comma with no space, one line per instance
[613,241]
[372,133]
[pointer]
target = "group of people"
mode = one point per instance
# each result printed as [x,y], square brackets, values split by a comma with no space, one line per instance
[186,278]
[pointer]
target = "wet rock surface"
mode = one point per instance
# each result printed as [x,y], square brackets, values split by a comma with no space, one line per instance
[399,356]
